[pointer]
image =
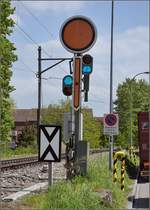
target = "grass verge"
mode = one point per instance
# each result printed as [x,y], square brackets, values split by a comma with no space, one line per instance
[7,152]
[80,192]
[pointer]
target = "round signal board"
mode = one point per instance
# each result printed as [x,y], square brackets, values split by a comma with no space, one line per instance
[78,34]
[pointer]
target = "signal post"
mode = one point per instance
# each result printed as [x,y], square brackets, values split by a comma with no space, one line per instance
[77,104]
[78,34]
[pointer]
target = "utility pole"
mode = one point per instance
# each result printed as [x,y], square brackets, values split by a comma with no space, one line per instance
[111,87]
[131,106]
[39,93]
[149,119]
[39,75]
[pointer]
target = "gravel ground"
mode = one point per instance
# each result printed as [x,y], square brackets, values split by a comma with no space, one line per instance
[15,180]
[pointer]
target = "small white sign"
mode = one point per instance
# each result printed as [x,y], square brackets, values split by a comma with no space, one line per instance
[111,126]
[50,143]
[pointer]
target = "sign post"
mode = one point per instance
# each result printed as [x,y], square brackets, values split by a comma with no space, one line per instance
[78,34]
[50,173]
[49,147]
[111,124]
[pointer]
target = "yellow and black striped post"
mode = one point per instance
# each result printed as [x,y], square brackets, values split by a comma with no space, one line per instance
[134,158]
[131,151]
[132,154]
[122,172]
[120,155]
[115,169]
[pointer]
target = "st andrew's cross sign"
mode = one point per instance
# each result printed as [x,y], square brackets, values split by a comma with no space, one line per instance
[50,143]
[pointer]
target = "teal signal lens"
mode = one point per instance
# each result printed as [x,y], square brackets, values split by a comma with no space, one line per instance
[86,69]
[68,80]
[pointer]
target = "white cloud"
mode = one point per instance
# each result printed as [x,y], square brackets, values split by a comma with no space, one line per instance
[133,42]
[26,92]
[56,6]
[131,53]
[131,56]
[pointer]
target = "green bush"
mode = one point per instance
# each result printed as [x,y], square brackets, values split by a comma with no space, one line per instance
[28,136]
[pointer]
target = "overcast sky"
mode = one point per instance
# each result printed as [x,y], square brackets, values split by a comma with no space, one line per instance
[41,20]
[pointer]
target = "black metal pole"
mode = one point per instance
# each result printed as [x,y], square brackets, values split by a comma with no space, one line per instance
[111,59]
[111,87]
[39,93]
[149,120]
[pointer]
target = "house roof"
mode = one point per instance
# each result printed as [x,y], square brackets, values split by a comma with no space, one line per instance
[89,110]
[99,119]
[23,115]
[30,115]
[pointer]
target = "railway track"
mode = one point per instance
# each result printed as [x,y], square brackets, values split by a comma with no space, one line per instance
[23,172]
[18,162]
[23,161]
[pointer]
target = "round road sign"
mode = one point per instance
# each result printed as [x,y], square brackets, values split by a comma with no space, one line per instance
[78,34]
[111,120]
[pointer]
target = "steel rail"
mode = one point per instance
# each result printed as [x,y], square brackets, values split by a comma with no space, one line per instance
[23,161]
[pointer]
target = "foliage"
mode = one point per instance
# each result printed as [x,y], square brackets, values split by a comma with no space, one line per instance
[104,140]
[132,97]
[53,114]
[7,57]
[132,164]
[28,136]
[91,127]
[6,152]
[80,192]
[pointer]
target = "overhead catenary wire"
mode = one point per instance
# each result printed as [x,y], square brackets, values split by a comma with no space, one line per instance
[28,67]
[40,23]
[31,39]
[57,78]
[47,80]
[51,83]
[27,35]
[96,101]
[25,70]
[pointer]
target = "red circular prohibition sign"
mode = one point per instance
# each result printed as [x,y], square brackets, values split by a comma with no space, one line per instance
[110,120]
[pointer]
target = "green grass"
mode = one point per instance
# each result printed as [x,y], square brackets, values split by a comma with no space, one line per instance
[6,152]
[80,192]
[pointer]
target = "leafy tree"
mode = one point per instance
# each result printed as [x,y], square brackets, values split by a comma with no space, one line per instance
[91,128]
[53,114]
[28,136]
[103,140]
[132,97]
[7,57]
